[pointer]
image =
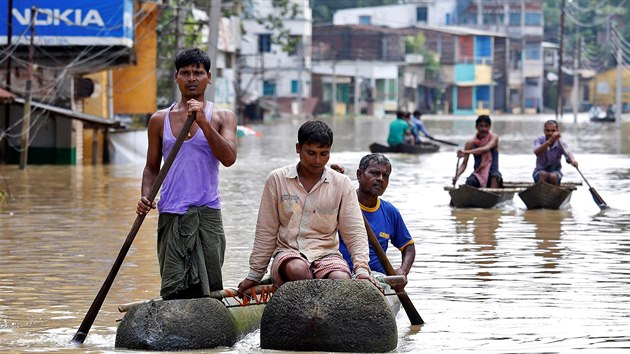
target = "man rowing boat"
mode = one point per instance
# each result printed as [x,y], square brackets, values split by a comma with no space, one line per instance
[549,151]
[302,208]
[484,146]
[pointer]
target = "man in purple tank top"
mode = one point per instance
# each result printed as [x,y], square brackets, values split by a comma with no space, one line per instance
[191,242]
[549,151]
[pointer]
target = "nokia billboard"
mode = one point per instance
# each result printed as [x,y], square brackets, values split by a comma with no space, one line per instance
[69,23]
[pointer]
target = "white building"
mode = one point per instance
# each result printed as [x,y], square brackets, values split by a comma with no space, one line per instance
[281,79]
[420,12]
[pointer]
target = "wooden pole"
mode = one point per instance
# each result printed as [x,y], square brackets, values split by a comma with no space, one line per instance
[410,309]
[559,86]
[26,121]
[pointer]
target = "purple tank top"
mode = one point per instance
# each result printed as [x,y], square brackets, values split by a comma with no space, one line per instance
[193,179]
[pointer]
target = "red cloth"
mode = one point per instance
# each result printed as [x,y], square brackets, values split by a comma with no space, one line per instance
[483,170]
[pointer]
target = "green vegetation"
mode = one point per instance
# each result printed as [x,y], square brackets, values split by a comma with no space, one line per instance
[415,45]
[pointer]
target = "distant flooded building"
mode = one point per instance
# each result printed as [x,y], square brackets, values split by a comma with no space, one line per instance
[362,62]
[271,78]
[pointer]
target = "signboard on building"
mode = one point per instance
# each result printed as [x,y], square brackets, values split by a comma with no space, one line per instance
[69,23]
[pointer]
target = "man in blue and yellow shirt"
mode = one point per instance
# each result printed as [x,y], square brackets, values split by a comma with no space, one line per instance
[386,221]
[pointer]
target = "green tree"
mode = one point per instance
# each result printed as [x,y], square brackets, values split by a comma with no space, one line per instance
[274,22]
[416,45]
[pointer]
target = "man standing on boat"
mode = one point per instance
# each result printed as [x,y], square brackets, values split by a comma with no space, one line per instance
[191,242]
[549,154]
[416,121]
[485,148]
[384,219]
[302,208]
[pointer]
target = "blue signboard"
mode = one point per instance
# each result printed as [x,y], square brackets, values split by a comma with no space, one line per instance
[69,23]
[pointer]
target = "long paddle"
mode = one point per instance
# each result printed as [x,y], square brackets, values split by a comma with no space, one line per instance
[456,170]
[596,197]
[410,309]
[90,316]
[442,141]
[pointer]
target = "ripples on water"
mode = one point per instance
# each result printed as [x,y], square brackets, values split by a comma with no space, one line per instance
[498,280]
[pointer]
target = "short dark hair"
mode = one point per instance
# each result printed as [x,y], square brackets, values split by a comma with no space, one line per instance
[378,158]
[551,121]
[483,118]
[417,113]
[315,132]
[192,56]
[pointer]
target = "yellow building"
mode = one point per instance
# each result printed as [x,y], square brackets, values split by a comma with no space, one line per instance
[134,87]
[604,85]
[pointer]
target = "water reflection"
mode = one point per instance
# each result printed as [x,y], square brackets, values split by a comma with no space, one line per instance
[482,224]
[548,231]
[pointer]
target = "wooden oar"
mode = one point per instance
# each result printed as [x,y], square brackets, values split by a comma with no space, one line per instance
[596,197]
[442,141]
[90,316]
[410,309]
[456,169]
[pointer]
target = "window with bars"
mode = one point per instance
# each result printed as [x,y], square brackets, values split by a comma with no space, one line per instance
[264,43]
[269,88]
[422,14]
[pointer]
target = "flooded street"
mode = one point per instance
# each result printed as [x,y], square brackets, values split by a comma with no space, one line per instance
[497,280]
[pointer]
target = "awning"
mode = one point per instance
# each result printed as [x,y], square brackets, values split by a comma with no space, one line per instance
[6,97]
[68,113]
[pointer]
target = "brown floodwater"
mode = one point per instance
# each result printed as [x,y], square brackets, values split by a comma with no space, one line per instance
[501,280]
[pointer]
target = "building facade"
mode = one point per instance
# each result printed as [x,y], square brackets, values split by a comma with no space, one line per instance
[275,79]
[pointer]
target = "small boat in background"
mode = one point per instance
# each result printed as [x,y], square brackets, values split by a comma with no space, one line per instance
[544,195]
[244,130]
[465,196]
[422,148]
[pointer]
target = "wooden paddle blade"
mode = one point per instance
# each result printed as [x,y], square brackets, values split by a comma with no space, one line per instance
[410,309]
[598,199]
[78,338]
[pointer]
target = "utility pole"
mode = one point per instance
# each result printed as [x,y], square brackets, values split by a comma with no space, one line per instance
[334,86]
[523,56]
[619,88]
[214,10]
[179,29]
[576,65]
[357,90]
[559,87]
[357,111]
[506,23]
[7,107]
[26,122]
[299,88]
[276,110]
[9,40]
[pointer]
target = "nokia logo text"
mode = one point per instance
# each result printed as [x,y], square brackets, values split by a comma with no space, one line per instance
[57,17]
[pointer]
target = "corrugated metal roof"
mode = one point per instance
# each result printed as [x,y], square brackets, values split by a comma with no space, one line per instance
[88,118]
[459,30]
